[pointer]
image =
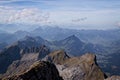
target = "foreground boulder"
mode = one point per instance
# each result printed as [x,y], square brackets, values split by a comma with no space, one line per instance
[76,68]
[40,70]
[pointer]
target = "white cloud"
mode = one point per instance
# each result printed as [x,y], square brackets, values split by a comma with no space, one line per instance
[29,15]
[25,15]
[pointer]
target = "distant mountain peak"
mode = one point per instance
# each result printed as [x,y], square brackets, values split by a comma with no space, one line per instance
[28,37]
[73,37]
[29,41]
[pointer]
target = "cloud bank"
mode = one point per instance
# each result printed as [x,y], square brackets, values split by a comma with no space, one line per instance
[26,15]
[86,14]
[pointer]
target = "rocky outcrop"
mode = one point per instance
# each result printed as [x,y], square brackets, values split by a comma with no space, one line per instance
[69,68]
[113,78]
[81,68]
[42,51]
[38,71]
[57,57]
[27,57]
[76,68]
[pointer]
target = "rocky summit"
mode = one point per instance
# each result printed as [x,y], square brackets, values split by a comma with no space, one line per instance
[57,57]
[38,71]
[58,65]
[81,68]
[76,68]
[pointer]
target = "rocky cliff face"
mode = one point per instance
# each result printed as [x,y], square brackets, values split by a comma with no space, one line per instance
[26,58]
[34,52]
[57,57]
[7,56]
[69,68]
[76,68]
[38,71]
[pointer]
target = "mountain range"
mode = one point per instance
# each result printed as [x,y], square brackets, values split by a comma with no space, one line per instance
[52,33]
[72,45]
[58,65]
[24,48]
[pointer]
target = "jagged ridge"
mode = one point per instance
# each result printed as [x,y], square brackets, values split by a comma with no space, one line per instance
[38,71]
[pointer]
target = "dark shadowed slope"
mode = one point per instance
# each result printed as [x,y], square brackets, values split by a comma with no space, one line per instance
[38,71]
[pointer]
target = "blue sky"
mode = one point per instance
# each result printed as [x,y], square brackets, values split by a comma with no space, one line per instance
[78,14]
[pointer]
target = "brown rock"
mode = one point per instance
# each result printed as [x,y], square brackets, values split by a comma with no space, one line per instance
[76,68]
[38,71]
[57,57]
